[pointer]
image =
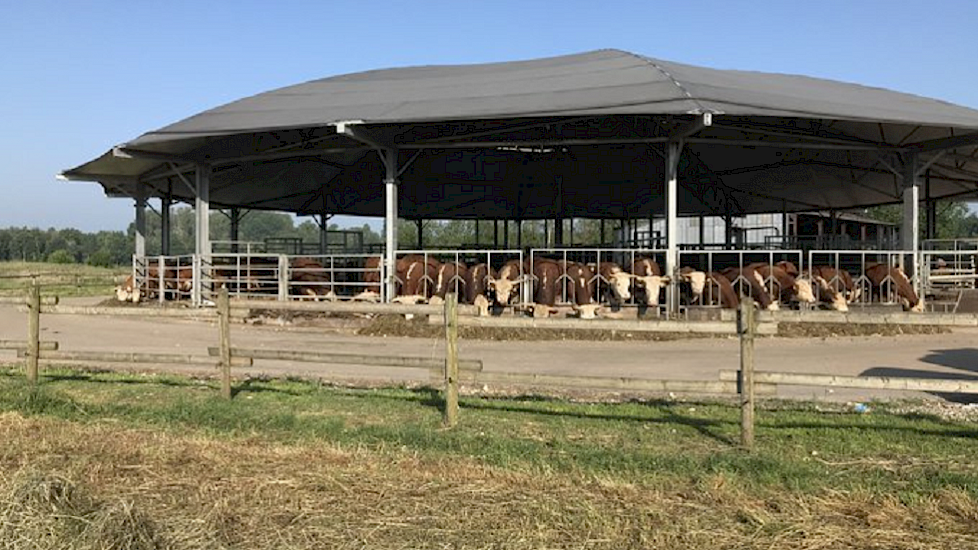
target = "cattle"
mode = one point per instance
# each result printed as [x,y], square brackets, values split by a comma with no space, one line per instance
[648,282]
[506,285]
[833,286]
[884,276]
[750,283]
[476,284]
[148,287]
[416,274]
[451,277]
[617,283]
[709,289]
[579,293]
[309,279]
[789,267]
[840,280]
[546,276]
[789,288]
[371,278]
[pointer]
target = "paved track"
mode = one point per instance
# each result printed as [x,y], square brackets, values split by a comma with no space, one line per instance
[947,356]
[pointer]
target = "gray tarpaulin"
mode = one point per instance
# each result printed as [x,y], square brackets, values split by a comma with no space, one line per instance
[584,133]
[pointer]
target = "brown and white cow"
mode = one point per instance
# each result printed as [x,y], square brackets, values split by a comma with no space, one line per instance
[579,294]
[310,280]
[416,275]
[750,283]
[788,288]
[506,285]
[451,277]
[709,289]
[617,283]
[648,282]
[840,280]
[882,275]
[832,286]
[547,275]
[148,288]
[371,278]
[476,284]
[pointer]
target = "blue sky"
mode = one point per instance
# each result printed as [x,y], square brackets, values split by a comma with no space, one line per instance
[78,77]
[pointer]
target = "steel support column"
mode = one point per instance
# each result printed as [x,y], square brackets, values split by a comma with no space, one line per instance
[389,156]
[930,228]
[235,233]
[324,234]
[202,245]
[140,244]
[910,229]
[166,204]
[672,224]
[784,224]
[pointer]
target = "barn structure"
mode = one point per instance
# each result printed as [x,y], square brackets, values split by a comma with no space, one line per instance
[607,135]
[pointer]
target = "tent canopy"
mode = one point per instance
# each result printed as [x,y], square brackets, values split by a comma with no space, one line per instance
[580,135]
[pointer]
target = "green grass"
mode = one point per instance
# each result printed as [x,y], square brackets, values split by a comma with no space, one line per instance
[65,280]
[661,444]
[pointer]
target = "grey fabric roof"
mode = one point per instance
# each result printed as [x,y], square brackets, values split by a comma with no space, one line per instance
[493,140]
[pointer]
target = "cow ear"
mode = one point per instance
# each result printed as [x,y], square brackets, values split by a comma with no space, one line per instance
[666,280]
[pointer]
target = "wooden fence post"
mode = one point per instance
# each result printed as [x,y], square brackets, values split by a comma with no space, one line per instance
[224,327]
[747,330]
[450,417]
[33,330]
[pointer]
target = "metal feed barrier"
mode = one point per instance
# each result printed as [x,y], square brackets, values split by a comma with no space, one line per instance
[718,260]
[592,257]
[855,263]
[469,258]
[163,277]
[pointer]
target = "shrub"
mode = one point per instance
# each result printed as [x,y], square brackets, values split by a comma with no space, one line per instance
[100,258]
[61,256]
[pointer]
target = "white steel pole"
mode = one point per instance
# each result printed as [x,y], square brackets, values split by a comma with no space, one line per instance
[390,220]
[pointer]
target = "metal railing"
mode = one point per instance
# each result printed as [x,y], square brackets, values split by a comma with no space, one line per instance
[599,286]
[950,244]
[855,264]
[710,261]
[465,259]
[163,278]
[948,269]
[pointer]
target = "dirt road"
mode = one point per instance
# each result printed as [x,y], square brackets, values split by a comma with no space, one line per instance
[945,356]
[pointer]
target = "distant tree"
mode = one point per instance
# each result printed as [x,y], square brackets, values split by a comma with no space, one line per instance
[61,256]
[954,218]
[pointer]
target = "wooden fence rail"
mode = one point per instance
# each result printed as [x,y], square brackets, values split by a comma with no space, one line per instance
[410,362]
[868,382]
[22,300]
[43,345]
[604,383]
[134,357]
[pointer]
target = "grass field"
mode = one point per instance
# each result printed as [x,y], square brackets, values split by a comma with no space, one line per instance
[60,279]
[291,464]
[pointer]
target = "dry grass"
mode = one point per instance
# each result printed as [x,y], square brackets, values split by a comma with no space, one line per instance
[75,483]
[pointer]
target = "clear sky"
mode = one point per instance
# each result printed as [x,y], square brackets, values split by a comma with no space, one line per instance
[79,77]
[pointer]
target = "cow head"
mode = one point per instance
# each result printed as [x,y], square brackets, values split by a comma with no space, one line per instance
[803,291]
[652,284]
[504,289]
[620,283]
[919,307]
[587,311]
[436,301]
[696,280]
